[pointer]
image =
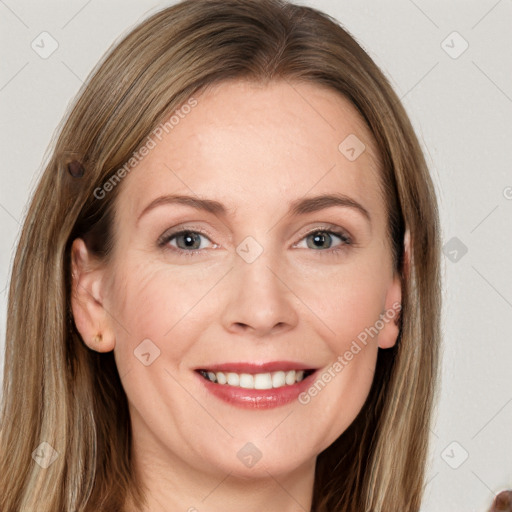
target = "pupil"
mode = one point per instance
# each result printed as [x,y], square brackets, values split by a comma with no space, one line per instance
[321,238]
[189,239]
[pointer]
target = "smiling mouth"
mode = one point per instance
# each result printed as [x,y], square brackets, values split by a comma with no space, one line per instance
[267,380]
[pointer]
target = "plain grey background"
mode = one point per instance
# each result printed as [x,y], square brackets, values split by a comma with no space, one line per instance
[451,64]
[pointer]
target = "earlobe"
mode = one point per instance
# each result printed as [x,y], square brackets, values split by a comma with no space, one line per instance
[388,335]
[390,330]
[91,319]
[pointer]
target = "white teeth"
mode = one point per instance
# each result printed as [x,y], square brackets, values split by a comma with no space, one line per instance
[246,381]
[233,379]
[263,381]
[290,377]
[278,379]
[257,381]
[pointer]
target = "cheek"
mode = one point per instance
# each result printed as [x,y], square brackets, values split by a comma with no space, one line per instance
[340,392]
[152,301]
[350,308]
[349,302]
[348,299]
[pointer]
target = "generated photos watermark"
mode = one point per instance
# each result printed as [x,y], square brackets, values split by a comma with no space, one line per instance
[151,143]
[343,360]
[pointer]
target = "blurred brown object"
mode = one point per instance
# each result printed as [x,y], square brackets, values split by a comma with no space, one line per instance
[502,502]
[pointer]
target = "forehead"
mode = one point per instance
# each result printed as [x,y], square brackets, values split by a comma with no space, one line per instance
[252,145]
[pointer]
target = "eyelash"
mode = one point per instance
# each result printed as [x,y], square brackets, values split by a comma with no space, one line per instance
[166,238]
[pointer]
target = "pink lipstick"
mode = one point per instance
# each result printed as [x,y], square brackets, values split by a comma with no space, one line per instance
[257,385]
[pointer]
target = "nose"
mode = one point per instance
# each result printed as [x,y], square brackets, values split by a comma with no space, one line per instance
[261,301]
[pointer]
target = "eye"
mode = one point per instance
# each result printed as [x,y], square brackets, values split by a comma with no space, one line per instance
[187,242]
[322,239]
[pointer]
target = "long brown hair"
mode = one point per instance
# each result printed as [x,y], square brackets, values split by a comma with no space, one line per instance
[57,391]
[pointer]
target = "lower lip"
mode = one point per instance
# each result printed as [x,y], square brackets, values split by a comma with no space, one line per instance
[257,398]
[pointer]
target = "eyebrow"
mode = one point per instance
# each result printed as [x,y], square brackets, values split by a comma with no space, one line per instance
[298,207]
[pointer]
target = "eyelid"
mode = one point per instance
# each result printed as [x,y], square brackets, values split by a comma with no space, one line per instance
[332,228]
[180,228]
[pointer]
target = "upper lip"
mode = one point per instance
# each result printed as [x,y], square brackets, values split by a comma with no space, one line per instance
[245,367]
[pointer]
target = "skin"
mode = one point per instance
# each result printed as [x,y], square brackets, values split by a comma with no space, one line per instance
[255,148]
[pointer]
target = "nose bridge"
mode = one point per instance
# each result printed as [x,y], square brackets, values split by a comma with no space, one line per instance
[259,297]
[259,267]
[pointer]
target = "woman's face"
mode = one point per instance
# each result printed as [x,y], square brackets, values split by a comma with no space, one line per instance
[265,274]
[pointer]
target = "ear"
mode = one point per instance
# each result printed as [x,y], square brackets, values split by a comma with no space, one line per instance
[87,296]
[393,304]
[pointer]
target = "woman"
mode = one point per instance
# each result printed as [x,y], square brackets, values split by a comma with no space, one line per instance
[257,369]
